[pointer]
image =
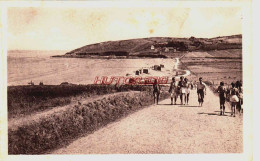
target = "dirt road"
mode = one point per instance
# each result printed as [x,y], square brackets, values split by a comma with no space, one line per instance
[167,128]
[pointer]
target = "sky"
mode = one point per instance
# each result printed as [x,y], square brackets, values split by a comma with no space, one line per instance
[70,28]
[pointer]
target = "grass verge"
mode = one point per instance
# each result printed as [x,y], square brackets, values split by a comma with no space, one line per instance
[25,100]
[61,127]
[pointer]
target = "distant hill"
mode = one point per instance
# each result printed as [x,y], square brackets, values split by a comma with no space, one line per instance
[161,47]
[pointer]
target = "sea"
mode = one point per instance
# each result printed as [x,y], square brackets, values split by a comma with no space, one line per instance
[25,66]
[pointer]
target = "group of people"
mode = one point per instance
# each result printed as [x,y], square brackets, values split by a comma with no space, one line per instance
[182,88]
[234,95]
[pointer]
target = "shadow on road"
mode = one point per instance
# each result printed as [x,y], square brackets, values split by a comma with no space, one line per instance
[219,111]
[217,114]
[189,106]
[169,104]
[178,105]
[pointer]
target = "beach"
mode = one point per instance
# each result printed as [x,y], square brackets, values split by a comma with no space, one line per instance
[53,71]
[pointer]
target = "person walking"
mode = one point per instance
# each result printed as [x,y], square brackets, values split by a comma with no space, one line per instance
[195,85]
[156,91]
[201,91]
[189,86]
[240,96]
[222,97]
[173,91]
[233,99]
[181,86]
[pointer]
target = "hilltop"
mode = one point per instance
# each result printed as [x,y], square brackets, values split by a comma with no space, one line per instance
[154,47]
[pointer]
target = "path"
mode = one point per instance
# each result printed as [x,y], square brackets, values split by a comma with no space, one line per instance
[166,128]
[187,72]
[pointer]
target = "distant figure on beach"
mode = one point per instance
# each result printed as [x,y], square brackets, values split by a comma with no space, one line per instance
[188,87]
[201,91]
[233,99]
[31,83]
[174,91]
[222,97]
[156,91]
[181,86]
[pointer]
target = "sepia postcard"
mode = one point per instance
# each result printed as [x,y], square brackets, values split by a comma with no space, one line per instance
[154,79]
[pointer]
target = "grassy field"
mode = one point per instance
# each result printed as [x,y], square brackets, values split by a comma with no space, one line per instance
[221,65]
